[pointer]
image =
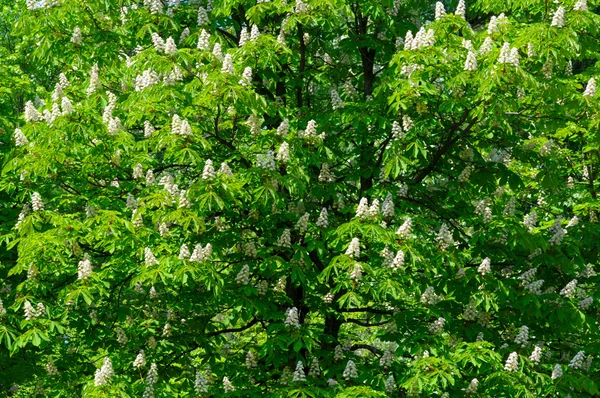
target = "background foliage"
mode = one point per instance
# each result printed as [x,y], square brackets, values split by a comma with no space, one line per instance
[461,166]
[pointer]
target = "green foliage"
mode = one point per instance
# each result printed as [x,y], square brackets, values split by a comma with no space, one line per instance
[164,214]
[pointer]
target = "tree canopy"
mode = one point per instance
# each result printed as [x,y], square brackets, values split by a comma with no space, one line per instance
[309,198]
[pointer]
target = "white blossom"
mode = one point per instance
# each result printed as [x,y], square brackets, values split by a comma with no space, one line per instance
[76,37]
[251,360]
[472,388]
[84,268]
[577,361]
[246,76]
[536,355]
[203,17]
[204,42]
[19,137]
[227,64]
[104,374]
[284,128]
[140,360]
[590,89]
[581,5]
[471,61]
[558,19]
[292,320]
[149,258]
[557,372]
[440,11]
[461,10]
[299,375]
[208,173]
[437,326]
[243,277]
[569,290]
[353,249]
[444,237]
[356,273]
[512,363]
[350,371]
[36,202]
[285,240]
[326,175]
[283,154]
[522,336]
[484,267]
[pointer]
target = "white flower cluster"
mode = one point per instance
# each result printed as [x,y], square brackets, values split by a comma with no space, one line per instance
[440,11]
[569,290]
[444,237]
[299,375]
[201,253]
[31,312]
[266,161]
[94,81]
[336,101]
[285,240]
[2,309]
[577,361]
[495,22]
[508,55]
[36,202]
[84,268]
[326,175]
[423,38]
[243,277]
[251,361]
[559,233]
[292,320]
[484,267]
[149,258]
[557,372]
[151,379]
[512,363]
[470,313]
[536,355]
[148,78]
[140,360]
[590,89]
[322,221]
[284,128]
[388,357]
[522,336]
[302,224]
[585,303]
[430,297]
[350,371]
[558,19]
[227,386]
[472,388]
[104,374]
[353,249]
[405,229]
[581,5]
[535,287]
[530,220]
[471,61]
[437,326]
[356,273]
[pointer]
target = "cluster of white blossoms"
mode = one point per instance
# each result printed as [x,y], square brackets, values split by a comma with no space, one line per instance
[512,363]
[76,37]
[590,89]
[148,78]
[336,101]
[180,127]
[484,267]
[577,361]
[149,257]
[200,253]
[325,174]
[557,372]
[429,296]
[472,388]
[423,38]
[36,202]
[51,368]
[536,355]
[203,17]
[356,273]
[471,61]
[444,237]
[2,309]
[350,371]
[284,128]
[559,233]
[285,240]
[104,374]
[302,223]
[32,312]
[437,326]
[388,357]
[121,336]
[228,65]
[558,19]
[322,221]
[251,361]
[246,77]
[292,320]
[353,249]
[585,303]
[405,229]
[508,55]
[523,336]
[530,220]
[315,368]
[299,375]
[365,211]
[19,137]
[266,161]
[140,360]
[243,277]
[570,289]
[151,379]
[84,268]
[310,133]
[94,80]
[227,386]
[495,22]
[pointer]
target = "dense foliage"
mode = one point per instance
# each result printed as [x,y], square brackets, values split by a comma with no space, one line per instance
[318,198]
